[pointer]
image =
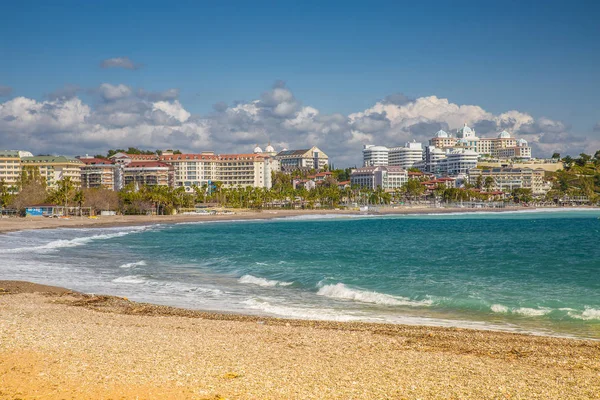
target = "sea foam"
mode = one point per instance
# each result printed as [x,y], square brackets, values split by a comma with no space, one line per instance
[499,308]
[525,311]
[65,243]
[588,314]
[133,264]
[250,279]
[341,291]
[298,312]
[131,279]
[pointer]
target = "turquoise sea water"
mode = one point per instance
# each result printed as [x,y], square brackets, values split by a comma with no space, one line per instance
[533,272]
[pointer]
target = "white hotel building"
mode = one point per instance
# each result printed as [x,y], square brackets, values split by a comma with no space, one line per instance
[405,157]
[389,178]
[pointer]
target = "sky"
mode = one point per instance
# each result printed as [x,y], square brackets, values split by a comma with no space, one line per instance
[84,77]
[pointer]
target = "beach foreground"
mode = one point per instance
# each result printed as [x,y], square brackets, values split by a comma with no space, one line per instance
[59,344]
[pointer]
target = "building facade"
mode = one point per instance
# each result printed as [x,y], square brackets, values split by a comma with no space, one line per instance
[100,173]
[388,178]
[407,156]
[192,169]
[11,166]
[507,179]
[55,168]
[150,173]
[374,156]
[312,158]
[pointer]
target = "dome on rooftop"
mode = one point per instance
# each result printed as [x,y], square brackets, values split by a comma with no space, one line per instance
[522,143]
[465,132]
[441,134]
[257,149]
[269,148]
[504,135]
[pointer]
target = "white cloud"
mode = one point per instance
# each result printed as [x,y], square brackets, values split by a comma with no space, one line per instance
[119,62]
[154,120]
[114,92]
[173,109]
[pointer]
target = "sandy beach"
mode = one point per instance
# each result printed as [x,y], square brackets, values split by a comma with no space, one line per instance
[15,224]
[56,344]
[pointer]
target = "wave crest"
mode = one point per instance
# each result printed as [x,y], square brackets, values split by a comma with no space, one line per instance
[133,264]
[254,280]
[341,291]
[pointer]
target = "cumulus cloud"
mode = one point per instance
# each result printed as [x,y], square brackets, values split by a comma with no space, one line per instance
[5,91]
[125,117]
[114,92]
[120,62]
[67,92]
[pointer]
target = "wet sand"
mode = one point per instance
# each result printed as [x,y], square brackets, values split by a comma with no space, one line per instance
[57,344]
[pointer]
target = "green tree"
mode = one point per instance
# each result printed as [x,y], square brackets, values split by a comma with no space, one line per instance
[489,183]
[556,156]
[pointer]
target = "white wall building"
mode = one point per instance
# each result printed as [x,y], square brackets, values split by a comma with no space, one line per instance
[407,156]
[388,178]
[374,156]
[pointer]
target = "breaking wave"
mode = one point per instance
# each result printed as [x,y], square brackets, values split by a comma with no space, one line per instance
[588,314]
[133,264]
[341,291]
[65,243]
[250,279]
[131,279]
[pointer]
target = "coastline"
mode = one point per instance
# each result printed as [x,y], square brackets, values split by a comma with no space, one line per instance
[18,224]
[56,343]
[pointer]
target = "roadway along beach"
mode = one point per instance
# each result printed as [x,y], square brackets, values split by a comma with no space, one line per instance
[59,344]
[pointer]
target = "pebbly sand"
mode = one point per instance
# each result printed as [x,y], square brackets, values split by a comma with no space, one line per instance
[57,344]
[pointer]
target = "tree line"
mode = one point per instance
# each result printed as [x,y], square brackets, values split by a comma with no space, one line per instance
[576,180]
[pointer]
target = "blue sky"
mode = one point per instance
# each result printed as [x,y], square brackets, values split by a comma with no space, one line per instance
[538,57]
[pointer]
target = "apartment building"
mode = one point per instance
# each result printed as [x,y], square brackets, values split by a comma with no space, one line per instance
[55,168]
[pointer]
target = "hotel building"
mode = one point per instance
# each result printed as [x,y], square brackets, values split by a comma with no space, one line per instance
[100,173]
[407,156]
[150,173]
[389,178]
[192,169]
[55,168]
[10,166]
[502,146]
[507,179]
[374,156]
[241,170]
[312,158]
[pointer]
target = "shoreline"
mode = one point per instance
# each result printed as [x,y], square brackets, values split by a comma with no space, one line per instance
[27,223]
[107,345]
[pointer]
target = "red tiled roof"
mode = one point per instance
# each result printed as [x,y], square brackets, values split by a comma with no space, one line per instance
[147,164]
[143,156]
[188,157]
[94,160]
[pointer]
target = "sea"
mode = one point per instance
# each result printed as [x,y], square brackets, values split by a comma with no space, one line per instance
[534,271]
